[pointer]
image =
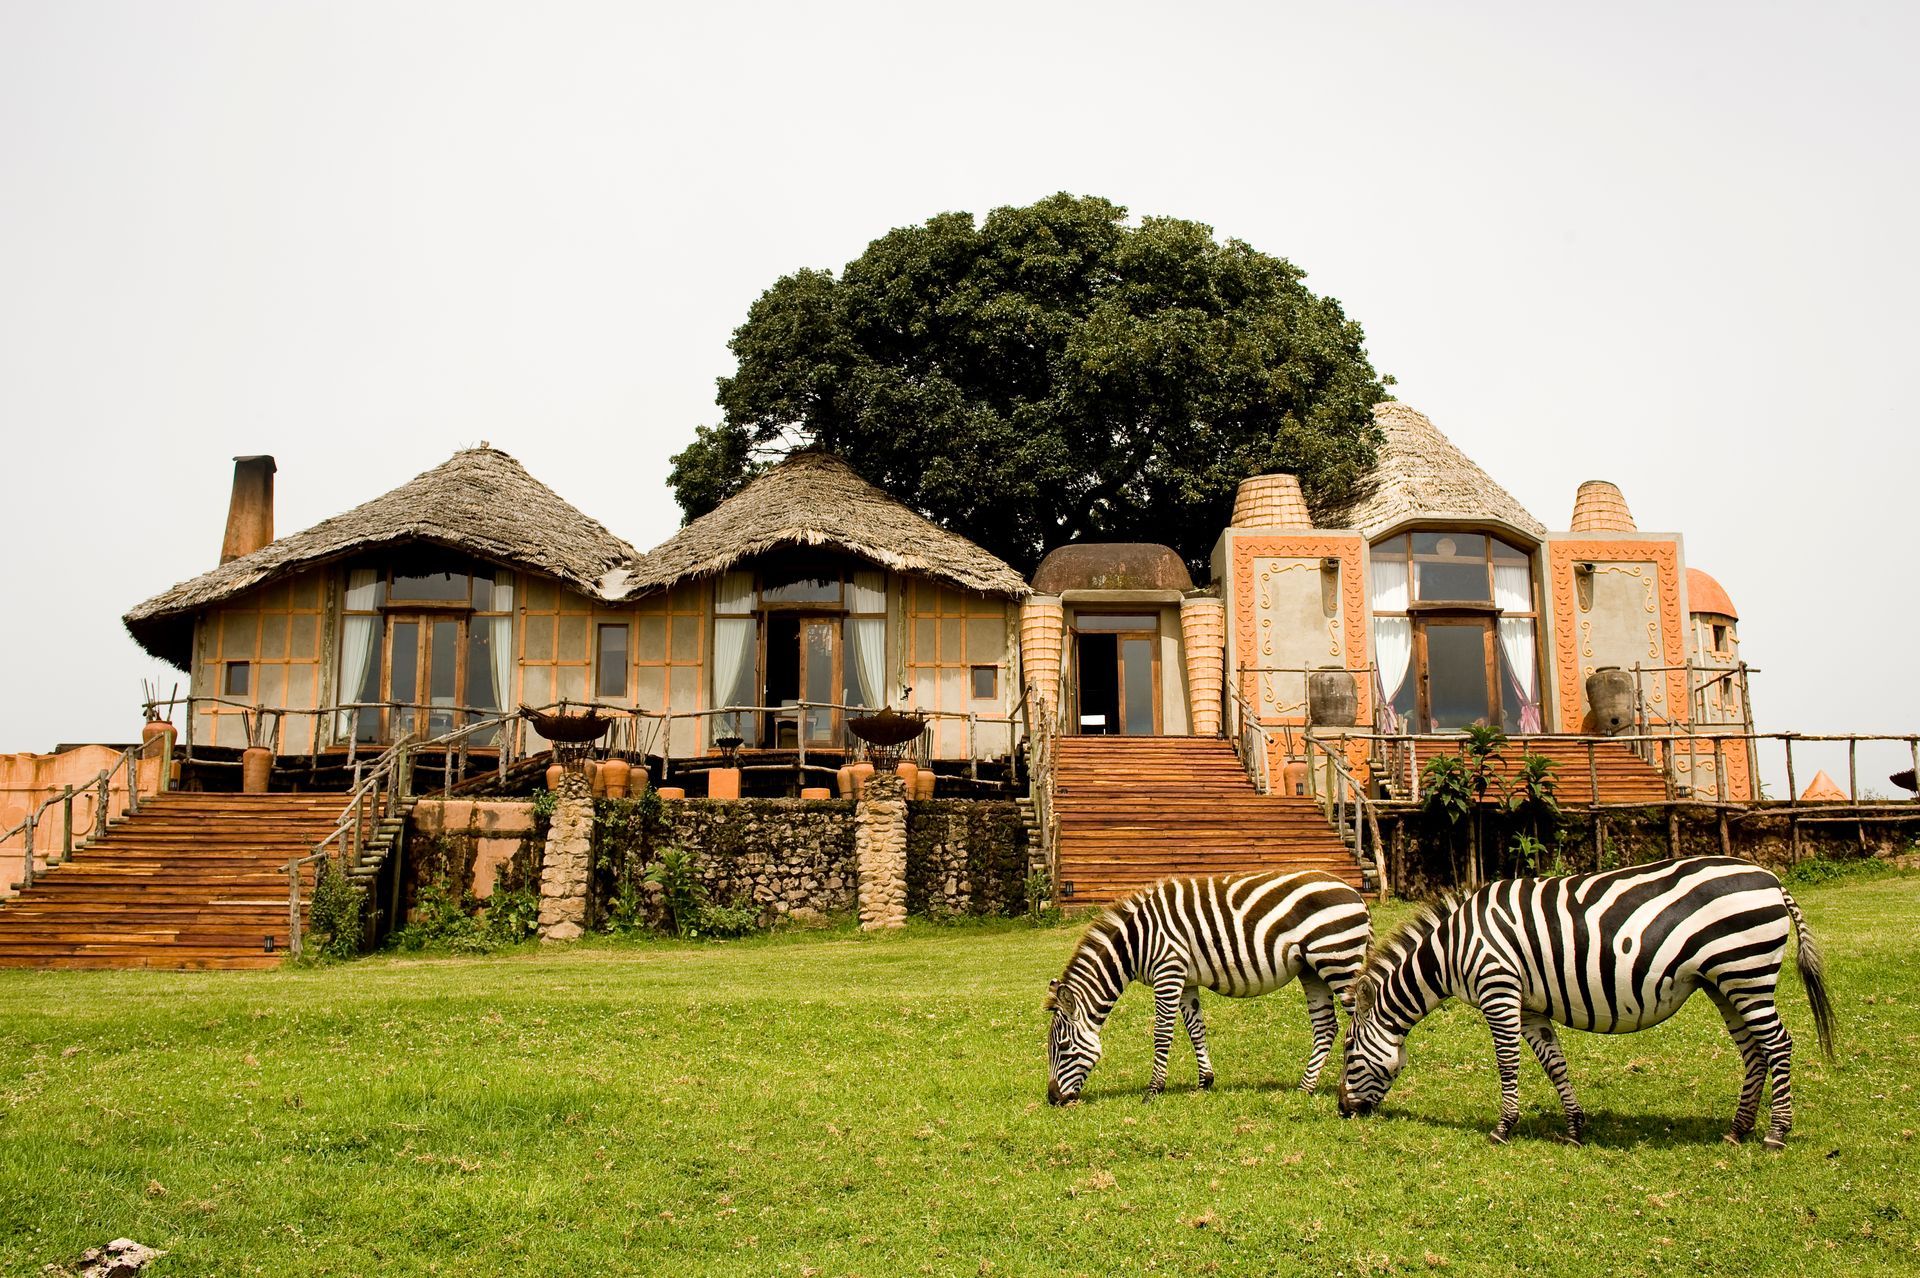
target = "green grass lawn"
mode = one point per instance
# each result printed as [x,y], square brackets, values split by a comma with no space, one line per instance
[833,1104]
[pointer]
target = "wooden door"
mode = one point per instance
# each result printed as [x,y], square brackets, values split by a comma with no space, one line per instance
[820,677]
[424,660]
[1458,666]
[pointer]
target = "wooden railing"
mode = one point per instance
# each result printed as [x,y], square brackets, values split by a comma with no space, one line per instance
[1042,738]
[1348,806]
[128,761]
[378,791]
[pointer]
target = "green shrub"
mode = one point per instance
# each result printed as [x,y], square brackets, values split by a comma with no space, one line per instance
[1820,869]
[677,873]
[334,924]
[512,916]
[441,921]
[723,921]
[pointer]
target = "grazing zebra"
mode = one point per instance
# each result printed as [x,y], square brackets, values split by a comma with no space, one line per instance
[1611,953]
[1238,934]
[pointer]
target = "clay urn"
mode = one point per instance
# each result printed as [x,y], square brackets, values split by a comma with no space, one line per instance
[861,771]
[1293,778]
[554,773]
[816,792]
[923,785]
[723,783]
[672,792]
[843,781]
[256,769]
[616,775]
[909,774]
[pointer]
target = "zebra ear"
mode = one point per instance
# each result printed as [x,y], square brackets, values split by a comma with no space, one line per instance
[1053,992]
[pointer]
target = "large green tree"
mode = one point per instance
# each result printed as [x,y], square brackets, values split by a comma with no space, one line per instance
[1052,374]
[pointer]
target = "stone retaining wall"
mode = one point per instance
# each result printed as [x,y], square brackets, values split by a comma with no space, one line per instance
[963,856]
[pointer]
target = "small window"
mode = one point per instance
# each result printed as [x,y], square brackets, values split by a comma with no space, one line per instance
[610,662]
[1116,622]
[238,679]
[1720,638]
[986,683]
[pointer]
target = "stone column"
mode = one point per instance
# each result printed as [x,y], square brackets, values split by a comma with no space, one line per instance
[1042,631]
[568,862]
[1203,627]
[880,852]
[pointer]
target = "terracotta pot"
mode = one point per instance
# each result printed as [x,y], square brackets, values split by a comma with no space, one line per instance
[860,772]
[596,779]
[723,783]
[816,792]
[672,792]
[1610,692]
[1333,699]
[256,769]
[843,782]
[1293,778]
[554,773]
[923,785]
[909,774]
[615,776]
[157,737]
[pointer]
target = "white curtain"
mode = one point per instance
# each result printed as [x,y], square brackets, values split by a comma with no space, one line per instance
[867,663]
[356,643]
[1388,579]
[1392,657]
[1516,642]
[1512,587]
[867,591]
[733,645]
[734,595]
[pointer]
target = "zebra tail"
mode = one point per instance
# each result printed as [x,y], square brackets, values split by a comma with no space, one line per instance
[1807,959]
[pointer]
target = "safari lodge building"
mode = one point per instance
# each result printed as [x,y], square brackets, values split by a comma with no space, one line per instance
[1433,602]
[1104,722]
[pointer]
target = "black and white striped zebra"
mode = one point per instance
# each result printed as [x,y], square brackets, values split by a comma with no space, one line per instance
[1611,953]
[1240,935]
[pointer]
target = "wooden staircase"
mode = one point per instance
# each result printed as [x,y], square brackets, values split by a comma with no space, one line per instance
[190,881]
[1133,810]
[1624,777]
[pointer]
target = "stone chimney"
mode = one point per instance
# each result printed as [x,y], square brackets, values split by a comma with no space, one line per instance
[1271,501]
[1600,507]
[250,511]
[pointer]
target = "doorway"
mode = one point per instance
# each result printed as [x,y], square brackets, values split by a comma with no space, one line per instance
[802,661]
[1117,674]
[423,664]
[1456,659]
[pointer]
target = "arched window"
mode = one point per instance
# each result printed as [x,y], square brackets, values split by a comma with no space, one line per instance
[1456,632]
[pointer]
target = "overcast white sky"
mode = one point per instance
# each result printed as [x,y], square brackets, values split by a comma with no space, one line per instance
[1672,246]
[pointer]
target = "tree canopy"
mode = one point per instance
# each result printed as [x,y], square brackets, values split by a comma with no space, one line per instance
[1049,375]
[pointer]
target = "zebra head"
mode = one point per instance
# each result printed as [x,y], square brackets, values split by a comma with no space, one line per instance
[1073,1045]
[1372,1059]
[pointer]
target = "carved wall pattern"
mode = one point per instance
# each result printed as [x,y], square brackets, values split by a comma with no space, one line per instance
[1352,612]
[1666,632]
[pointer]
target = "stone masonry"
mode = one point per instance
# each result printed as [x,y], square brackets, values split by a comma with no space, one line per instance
[568,862]
[880,852]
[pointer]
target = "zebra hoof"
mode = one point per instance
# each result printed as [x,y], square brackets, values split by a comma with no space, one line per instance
[1572,1139]
[1498,1136]
[1206,1082]
[1774,1140]
[1734,1137]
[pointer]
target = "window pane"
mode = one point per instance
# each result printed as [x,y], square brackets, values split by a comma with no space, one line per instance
[436,587]
[610,662]
[986,683]
[1509,554]
[1112,622]
[1136,669]
[1457,676]
[480,691]
[801,583]
[1451,566]
[239,679]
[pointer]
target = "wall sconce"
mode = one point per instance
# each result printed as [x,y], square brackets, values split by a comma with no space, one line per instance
[1583,585]
[1330,586]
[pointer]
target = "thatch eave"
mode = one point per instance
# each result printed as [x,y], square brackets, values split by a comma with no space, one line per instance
[815,500]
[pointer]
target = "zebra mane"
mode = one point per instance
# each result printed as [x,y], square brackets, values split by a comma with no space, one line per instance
[1400,942]
[1109,923]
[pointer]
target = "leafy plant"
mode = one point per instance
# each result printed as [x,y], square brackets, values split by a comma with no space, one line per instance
[545,803]
[441,921]
[334,921]
[677,874]
[724,921]
[513,916]
[627,911]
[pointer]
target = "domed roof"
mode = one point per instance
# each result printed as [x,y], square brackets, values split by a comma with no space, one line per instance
[1705,595]
[1600,506]
[1112,565]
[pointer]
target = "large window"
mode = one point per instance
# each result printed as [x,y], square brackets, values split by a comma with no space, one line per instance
[1423,585]
[426,646]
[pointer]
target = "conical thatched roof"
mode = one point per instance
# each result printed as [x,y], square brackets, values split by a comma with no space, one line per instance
[480,502]
[815,499]
[1422,475]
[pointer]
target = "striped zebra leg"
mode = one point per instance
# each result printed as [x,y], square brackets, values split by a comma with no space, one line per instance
[1168,985]
[1503,1022]
[1779,1049]
[1326,1025]
[1197,1033]
[1753,1057]
[1538,1032]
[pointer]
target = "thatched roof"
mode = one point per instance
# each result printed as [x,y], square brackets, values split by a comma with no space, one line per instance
[1421,475]
[479,502]
[815,499]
